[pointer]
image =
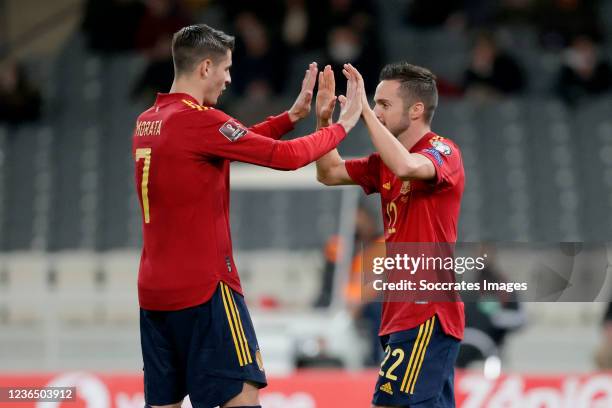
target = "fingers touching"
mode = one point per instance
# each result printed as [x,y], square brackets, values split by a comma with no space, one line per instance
[352,73]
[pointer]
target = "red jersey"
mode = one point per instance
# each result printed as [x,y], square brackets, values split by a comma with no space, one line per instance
[182,152]
[418,211]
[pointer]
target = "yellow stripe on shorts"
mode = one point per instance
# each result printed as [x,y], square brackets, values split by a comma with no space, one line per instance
[417,355]
[421,356]
[245,343]
[244,347]
[230,320]
[412,354]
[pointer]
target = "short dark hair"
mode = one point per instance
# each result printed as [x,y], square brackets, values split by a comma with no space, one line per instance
[417,84]
[193,43]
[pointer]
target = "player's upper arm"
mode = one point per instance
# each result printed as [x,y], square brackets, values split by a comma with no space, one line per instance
[445,167]
[216,134]
[420,168]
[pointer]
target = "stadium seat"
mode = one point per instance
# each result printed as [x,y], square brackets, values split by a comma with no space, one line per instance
[115,155]
[500,153]
[264,218]
[24,167]
[402,45]
[592,145]
[76,159]
[553,166]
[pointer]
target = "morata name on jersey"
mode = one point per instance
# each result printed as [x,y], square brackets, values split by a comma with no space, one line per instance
[148,128]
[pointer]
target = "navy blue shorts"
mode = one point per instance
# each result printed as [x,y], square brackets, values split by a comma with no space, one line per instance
[418,368]
[206,352]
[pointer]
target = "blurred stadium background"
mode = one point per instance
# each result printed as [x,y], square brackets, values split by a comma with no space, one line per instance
[525,91]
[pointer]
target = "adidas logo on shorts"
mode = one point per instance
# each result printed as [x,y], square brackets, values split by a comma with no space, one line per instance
[387,388]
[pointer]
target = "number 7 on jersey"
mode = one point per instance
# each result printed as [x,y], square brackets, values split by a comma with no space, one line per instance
[145,153]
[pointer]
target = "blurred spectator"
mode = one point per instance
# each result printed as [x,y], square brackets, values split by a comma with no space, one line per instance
[258,72]
[300,23]
[584,72]
[270,33]
[346,45]
[305,27]
[270,12]
[20,100]
[296,24]
[361,15]
[492,72]
[160,21]
[561,20]
[157,75]
[453,14]
[366,232]
[109,25]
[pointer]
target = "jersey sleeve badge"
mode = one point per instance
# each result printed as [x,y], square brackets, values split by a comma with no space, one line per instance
[232,130]
[440,146]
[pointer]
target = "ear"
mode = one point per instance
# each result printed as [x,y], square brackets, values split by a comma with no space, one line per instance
[204,68]
[417,111]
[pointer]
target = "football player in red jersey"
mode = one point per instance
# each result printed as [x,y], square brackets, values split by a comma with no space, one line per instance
[197,337]
[420,178]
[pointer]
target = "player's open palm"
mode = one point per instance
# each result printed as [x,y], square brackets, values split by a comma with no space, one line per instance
[326,96]
[349,69]
[351,103]
[301,106]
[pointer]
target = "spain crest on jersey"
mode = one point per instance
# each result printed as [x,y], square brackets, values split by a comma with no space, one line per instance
[405,187]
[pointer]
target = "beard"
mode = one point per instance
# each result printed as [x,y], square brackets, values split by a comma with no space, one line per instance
[400,128]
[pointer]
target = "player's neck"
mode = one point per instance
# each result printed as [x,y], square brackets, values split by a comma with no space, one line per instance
[181,86]
[413,134]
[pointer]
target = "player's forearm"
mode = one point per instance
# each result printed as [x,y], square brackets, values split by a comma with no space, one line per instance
[296,153]
[326,165]
[274,127]
[391,151]
[329,161]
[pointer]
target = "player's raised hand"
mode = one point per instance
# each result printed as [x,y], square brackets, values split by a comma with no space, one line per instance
[301,106]
[351,103]
[350,70]
[326,96]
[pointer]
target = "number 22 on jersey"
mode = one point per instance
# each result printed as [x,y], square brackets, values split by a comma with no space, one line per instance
[145,154]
